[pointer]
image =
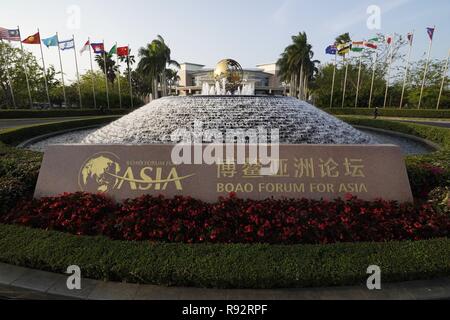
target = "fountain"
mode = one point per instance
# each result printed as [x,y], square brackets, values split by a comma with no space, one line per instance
[230,103]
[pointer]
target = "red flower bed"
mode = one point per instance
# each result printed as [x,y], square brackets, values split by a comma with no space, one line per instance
[233,220]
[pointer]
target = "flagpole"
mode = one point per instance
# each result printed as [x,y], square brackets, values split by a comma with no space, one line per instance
[373,79]
[118,78]
[426,69]
[391,47]
[407,69]
[333,81]
[92,72]
[25,70]
[345,81]
[78,73]
[444,77]
[359,81]
[129,77]
[11,90]
[62,71]
[106,75]
[45,71]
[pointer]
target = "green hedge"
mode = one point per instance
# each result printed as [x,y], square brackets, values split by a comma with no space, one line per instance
[407,113]
[14,136]
[224,266]
[438,135]
[19,114]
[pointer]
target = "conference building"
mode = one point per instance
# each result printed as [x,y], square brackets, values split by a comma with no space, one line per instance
[265,78]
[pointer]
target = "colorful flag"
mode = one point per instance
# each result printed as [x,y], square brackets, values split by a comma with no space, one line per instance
[376,39]
[370,45]
[98,48]
[357,46]
[344,48]
[124,51]
[10,35]
[34,39]
[51,42]
[389,40]
[329,50]
[410,37]
[113,50]
[66,44]
[85,47]
[430,32]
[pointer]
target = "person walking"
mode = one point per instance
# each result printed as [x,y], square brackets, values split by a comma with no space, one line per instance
[376,113]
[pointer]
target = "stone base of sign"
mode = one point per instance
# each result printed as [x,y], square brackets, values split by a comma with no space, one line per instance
[304,171]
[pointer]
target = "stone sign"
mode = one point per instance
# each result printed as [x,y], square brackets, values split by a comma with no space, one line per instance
[304,171]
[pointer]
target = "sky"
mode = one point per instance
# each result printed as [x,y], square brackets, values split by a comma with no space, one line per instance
[206,31]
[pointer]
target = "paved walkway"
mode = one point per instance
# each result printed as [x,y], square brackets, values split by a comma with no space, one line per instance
[22,283]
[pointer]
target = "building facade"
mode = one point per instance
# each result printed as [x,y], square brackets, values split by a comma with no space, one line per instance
[265,78]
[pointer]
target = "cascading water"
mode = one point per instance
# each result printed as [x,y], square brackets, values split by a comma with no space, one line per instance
[298,122]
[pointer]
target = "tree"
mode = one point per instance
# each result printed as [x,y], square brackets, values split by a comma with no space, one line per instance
[111,67]
[172,78]
[15,61]
[155,58]
[297,67]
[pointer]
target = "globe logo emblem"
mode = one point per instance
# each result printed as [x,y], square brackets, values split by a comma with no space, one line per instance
[99,173]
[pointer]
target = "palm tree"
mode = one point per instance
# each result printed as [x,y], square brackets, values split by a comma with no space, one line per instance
[155,58]
[172,78]
[111,68]
[297,67]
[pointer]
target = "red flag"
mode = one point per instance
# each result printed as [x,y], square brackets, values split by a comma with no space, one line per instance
[122,51]
[34,39]
[389,40]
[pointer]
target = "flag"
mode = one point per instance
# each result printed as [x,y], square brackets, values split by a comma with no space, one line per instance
[375,39]
[113,50]
[410,37]
[329,50]
[370,45]
[357,46]
[10,35]
[389,40]
[51,42]
[85,47]
[430,32]
[124,51]
[67,44]
[344,48]
[98,48]
[34,39]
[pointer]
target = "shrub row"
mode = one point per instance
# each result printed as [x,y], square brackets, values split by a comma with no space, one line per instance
[254,266]
[55,113]
[14,136]
[232,220]
[388,112]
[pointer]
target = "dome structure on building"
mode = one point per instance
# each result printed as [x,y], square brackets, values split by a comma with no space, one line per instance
[298,122]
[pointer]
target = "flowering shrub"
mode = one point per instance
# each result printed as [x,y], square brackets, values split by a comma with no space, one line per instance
[426,177]
[233,220]
[78,213]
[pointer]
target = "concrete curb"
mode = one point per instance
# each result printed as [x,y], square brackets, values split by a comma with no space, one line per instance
[19,282]
[36,139]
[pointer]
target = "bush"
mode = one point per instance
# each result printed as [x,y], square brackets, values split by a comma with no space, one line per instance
[55,113]
[407,113]
[15,136]
[233,220]
[254,266]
